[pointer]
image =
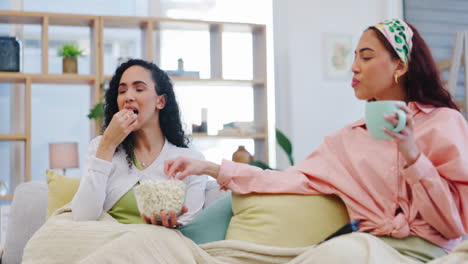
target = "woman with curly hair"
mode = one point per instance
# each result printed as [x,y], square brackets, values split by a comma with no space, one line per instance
[142,130]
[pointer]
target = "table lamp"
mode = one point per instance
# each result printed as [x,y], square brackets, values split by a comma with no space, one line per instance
[63,155]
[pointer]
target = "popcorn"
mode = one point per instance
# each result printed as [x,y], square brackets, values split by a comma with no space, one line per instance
[153,197]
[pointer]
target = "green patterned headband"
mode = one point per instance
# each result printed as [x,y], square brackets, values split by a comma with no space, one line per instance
[399,34]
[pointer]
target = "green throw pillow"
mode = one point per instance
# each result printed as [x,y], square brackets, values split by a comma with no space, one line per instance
[211,223]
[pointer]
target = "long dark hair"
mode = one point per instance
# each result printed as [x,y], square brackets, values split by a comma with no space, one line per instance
[422,82]
[169,116]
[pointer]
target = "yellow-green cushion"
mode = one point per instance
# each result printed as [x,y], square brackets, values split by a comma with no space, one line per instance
[61,190]
[285,220]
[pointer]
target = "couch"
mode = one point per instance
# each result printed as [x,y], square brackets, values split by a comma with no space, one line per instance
[28,213]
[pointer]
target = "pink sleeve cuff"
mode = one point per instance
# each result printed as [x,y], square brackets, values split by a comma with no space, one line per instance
[419,170]
[225,173]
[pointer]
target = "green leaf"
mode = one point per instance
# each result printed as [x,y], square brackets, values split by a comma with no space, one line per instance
[402,35]
[69,50]
[260,164]
[398,39]
[97,111]
[285,144]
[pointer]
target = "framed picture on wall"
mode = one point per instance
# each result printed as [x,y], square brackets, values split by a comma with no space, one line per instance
[337,56]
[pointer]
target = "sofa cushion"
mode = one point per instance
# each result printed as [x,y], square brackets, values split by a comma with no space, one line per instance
[61,190]
[285,220]
[210,224]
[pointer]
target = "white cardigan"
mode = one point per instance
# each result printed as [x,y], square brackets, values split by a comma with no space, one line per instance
[103,183]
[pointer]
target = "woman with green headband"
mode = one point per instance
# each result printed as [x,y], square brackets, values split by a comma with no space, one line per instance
[412,190]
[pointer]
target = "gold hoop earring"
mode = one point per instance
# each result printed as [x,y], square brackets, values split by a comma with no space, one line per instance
[396,78]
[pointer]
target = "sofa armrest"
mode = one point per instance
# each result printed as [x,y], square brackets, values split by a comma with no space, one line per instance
[27,214]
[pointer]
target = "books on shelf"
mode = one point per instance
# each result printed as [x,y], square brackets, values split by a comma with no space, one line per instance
[237,129]
[191,74]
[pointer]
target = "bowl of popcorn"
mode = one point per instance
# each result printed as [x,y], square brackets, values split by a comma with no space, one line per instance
[153,197]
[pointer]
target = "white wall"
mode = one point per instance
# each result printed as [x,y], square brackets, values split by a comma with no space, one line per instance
[309,107]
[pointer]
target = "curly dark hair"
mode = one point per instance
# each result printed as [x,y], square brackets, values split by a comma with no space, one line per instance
[422,82]
[169,116]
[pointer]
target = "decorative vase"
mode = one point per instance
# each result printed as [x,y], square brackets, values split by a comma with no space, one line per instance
[10,49]
[70,65]
[203,128]
[242,155]
[180,65]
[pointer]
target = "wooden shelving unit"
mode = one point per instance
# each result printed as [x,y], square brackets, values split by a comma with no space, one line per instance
[211,81]
[252,136]
[150,28]
[13,137]
[6,197]
[48,78]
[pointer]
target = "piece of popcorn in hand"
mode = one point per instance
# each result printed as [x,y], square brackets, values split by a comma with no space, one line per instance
[152,197]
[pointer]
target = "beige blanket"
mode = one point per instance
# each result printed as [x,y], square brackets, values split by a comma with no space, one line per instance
[458,256]
[62,240]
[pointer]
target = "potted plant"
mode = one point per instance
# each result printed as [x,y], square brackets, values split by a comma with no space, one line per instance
[69,52]
[285,144]
[96,112]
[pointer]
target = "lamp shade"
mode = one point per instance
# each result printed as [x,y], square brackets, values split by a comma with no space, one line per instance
[63,155]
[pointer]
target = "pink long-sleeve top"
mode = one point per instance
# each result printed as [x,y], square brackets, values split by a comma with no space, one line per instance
[428,199]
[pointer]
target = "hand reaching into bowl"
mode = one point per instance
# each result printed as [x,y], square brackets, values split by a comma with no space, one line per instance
[181,167]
